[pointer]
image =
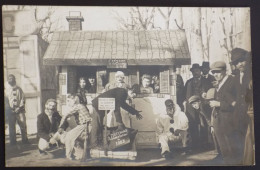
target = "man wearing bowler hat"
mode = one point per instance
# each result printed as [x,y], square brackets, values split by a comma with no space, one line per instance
[240,58]
[194,86]
[223,106]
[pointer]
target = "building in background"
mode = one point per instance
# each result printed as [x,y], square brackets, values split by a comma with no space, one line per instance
[23,51]
[79,53]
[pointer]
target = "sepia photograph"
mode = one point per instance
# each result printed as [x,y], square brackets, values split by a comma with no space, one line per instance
[127,86]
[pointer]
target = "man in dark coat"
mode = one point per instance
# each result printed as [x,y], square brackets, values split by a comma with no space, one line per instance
[92,86]
[194,86]
[240,58]
[223,109]
[47,125]
[120,95]
[205,73]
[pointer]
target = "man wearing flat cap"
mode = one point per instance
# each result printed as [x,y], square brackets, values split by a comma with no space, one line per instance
[241,59]
[223,109]
[172,128]
[197,85]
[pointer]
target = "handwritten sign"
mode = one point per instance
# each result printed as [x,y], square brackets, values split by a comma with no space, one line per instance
[118,139]
[117,63]
[106,104]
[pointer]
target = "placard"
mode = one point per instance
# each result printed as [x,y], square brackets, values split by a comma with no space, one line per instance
[106,104]
[117,63]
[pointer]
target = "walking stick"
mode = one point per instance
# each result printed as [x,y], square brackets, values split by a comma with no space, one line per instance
[105,137]
[85,150]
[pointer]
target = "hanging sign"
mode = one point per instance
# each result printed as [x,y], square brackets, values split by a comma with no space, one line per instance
[117,63]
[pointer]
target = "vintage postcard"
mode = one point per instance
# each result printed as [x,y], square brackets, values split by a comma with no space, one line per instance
[127,86]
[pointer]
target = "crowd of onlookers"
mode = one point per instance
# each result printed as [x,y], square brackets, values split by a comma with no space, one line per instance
[212,107]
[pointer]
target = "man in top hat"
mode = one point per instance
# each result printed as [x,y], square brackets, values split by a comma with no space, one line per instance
[194,86]
[205,73]
[240,58]
[16,110]
[223,106]
[172,128]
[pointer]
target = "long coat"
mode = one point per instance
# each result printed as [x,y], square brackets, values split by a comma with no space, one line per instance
[45,127]
[223,120]
[241,118]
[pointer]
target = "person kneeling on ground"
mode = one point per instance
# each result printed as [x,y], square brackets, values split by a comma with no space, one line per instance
[47,125]
[82,117]
[172,128]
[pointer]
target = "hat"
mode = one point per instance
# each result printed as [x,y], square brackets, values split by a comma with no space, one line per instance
[194,66]
[205,64]
[218,65]
[169,103]
[146,76]
[119,73]
[210,94]
[194,99]
[238,54]
[51,100]
[11,75]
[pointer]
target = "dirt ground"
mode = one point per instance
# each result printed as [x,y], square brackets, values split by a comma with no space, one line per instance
[27,155]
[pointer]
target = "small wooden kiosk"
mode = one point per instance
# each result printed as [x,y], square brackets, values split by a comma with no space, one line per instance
[79,53]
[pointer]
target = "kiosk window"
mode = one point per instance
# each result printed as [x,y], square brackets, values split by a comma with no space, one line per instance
[89,74]
[149,79]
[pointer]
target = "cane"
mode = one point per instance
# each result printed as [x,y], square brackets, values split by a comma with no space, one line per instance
[85,150]
[105,136]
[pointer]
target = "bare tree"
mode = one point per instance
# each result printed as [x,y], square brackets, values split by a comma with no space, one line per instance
[46,24]
[139,19]
[228,41]
[166,15]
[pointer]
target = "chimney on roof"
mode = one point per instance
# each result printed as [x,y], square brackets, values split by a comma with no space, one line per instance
[75,20]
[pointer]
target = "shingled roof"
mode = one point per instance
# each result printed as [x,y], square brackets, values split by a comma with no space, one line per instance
[158,47]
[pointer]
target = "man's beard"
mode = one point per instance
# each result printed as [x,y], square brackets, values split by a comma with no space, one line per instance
[50,111]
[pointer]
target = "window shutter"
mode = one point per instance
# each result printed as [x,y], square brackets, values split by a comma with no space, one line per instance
[164,81]
[72,80]
[100,85]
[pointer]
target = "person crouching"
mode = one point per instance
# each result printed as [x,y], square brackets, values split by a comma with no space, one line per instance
[47,125]
[82,117]
[172,128]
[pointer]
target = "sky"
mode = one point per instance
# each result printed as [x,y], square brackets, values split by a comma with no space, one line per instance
[95,18]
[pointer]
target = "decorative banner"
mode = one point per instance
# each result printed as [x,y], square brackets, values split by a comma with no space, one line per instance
[106,104]
[117,63]
[19,23]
